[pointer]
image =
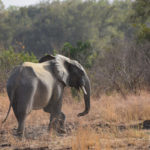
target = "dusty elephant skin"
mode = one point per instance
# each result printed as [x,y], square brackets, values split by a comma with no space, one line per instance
[40,85]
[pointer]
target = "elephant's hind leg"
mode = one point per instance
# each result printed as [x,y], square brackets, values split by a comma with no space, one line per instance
[22,108]
[20,116]
[21,124]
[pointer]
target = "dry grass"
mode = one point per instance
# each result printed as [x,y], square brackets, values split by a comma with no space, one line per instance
[85,138]
[113,123]
[116,109]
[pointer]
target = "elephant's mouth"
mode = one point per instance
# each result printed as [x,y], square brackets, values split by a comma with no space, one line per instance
[75,84]
[78,87]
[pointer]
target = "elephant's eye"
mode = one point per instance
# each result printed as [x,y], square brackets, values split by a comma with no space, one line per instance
[76,70]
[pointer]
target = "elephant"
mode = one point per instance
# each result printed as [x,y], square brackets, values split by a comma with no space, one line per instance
[33,86]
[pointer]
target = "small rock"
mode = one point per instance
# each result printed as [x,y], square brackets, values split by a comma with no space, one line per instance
[146,124]
[130,144]
[5,145]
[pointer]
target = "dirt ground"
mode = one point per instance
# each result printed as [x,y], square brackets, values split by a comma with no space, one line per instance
[113,123]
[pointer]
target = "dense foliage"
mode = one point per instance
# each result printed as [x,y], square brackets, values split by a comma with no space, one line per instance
[110,39]
[47,26]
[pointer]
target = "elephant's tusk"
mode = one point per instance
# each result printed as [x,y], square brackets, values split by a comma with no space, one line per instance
[83,89]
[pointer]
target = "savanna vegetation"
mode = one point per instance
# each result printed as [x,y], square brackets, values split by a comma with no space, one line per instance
[109,37]
[112,41]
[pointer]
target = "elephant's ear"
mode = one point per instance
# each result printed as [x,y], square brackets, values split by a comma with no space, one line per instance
[46,58]
[61,69]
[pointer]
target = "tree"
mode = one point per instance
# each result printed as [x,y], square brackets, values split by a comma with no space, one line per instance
[141,19]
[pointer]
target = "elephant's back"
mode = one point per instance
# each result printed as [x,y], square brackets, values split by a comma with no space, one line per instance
[34,79]
[37,69]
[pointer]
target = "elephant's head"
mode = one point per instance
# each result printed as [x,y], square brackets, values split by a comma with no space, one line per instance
[71,73]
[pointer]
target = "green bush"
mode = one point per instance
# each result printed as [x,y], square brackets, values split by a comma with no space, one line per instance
[83,52]
[8,60]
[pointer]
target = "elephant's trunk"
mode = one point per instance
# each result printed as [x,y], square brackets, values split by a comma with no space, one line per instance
[86,90]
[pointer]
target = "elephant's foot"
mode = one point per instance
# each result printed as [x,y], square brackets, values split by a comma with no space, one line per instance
[58,132]
[19,135]
[61,131]
[57,126]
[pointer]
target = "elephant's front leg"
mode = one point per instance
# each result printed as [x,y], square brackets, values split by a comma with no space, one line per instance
[57,118]
[61,122]
[57,123]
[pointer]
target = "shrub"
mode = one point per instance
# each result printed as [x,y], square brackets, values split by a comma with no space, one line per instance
[8,60]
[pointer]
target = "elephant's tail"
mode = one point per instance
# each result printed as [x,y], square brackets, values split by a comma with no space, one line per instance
[11,97]
[7,113]
[11,101]
[11,90]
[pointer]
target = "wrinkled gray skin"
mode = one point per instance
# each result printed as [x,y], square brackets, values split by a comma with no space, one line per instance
[40,85]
